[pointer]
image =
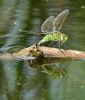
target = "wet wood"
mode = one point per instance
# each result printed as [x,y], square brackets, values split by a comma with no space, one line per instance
[61,53]
[46,52]
[53,52]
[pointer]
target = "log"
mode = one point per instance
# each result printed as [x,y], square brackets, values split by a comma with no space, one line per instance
[33,51]
[51,52]
[61,53]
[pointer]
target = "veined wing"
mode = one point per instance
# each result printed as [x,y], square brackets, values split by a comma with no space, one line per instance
[58,21]
[47,26]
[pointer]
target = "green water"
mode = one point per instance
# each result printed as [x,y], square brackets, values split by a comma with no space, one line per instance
[20,81]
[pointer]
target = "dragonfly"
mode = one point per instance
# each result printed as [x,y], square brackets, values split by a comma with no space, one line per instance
[51,27]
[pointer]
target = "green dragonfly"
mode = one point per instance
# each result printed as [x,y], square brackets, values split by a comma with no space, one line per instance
[51,27]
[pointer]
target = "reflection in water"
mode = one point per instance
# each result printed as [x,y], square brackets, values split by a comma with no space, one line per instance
[18,81]
[16,24]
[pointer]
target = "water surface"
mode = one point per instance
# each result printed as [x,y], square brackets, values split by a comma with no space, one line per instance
[18,80]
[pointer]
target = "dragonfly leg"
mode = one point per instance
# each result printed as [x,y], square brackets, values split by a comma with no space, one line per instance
[60,44]
[61,51]
[52,44]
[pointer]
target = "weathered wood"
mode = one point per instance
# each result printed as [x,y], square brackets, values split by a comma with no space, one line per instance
[52,52]
[61,53]
[34,51]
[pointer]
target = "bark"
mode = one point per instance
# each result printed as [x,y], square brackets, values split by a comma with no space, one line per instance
[46,52]
[61,53]
[52,52]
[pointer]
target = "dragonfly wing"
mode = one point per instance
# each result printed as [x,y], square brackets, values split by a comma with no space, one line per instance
[47,26]
[58,21]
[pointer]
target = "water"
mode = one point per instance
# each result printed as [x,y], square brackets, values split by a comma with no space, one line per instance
[18,80]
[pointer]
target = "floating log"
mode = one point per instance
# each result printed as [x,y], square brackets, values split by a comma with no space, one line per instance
[50,52]
[34,51]
[61,53]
